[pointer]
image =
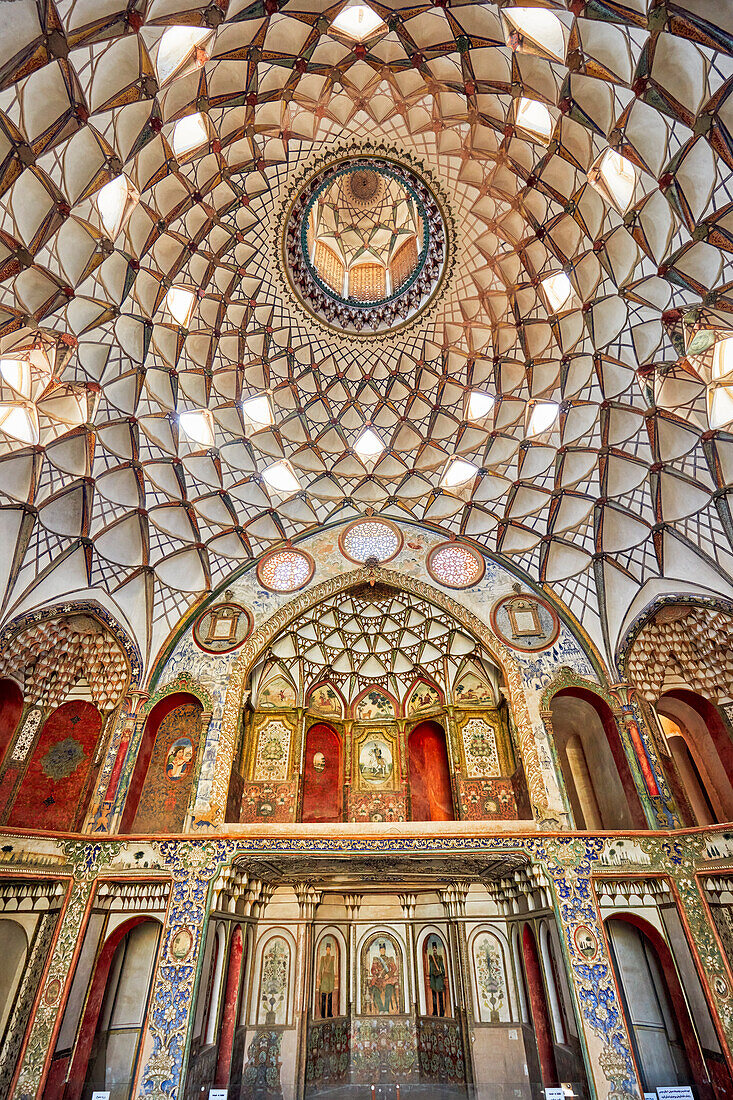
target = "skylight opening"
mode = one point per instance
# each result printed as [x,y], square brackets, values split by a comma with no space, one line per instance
[534,119]
[189,133]
[458,472]
[281,477]
[357,21]
[180,302]
[614,177]
[558,292]
[178,47]
[197,426]
[115,202]
[541,418]
[257,412]
[532,29]
[479,405]
[16,373]
[20,422]
[368,445]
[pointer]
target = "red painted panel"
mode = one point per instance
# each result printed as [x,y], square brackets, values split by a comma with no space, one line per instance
[53,787]
[11,707]
[322,781]
[539,1009]
[169,778]
[430,788]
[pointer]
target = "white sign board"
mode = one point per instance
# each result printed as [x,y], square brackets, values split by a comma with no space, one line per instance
[100,1096]
[554,1094]
[675,1092]
[650,1096]
[218,1094]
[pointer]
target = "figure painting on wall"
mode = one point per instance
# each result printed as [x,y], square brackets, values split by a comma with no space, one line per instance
[180,755]
[327,978]
[277,692]
[423,697]
[375,761]
[381,991]
[472,689]
[326,701]
[437,976]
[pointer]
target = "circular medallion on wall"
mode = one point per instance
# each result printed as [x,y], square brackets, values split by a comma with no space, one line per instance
[586,942]
[52,992]
[455,565]
[370,540]
[222,628]
[181,944]
[525,622]
[285,570]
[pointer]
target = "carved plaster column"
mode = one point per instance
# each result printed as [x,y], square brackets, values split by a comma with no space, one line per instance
[453,896]
[609,1061]
[352,903]
[309,898]
[654,792]
[408,903]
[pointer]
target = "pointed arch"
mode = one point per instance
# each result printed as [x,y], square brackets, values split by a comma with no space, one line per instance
[547,805]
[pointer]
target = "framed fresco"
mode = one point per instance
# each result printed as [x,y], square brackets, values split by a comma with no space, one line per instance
[277,692]
[489,972]
[525,622]
[480,749]
[375,761]
[326,701]
[222,628]
[435,976]
[422,699]
[327,978]
[382,992]
[272,757]
[274,982]
[373,704]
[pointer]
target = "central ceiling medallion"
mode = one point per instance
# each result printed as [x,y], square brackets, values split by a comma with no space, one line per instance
[365,243]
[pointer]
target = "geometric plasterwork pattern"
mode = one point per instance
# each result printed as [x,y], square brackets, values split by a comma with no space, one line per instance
[103,490]
[683,646]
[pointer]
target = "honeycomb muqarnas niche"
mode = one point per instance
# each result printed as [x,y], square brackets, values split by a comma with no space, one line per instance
[366,413]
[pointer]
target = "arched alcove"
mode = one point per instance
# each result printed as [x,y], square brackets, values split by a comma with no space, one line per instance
[14,952]
[322,783]
[661,1029]
[702,750]
[597,776]
[162,781]
[55,789]
[108,1041]
[11,708]
[431,798]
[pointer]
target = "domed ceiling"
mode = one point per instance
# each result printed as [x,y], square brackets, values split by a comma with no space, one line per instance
[168,411]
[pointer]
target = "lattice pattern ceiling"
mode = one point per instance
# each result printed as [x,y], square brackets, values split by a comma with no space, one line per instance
[375,637]
[208,113]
